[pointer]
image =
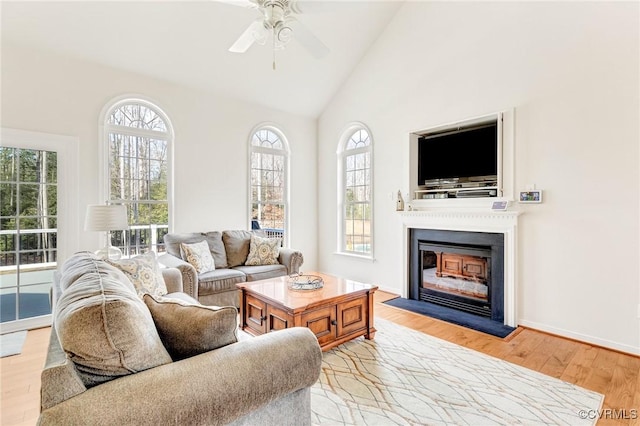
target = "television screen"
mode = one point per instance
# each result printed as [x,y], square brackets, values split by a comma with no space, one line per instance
[464,153]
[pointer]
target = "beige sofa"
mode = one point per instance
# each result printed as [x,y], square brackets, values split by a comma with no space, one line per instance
[257,381]
[229,250]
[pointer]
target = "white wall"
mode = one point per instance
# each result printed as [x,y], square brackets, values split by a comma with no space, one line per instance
[570,71]
[49,93]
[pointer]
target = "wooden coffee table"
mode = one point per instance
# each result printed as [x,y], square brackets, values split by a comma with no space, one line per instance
[338,312]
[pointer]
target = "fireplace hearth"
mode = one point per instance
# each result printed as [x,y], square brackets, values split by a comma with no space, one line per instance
[460,270]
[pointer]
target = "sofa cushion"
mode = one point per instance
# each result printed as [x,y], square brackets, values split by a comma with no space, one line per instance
[199,256]
[255,273]
[172,242]
[144,273]
[191,329]
[263,251]
[236,244]
[103,326]
[216,246]
[219,280]
[214,239]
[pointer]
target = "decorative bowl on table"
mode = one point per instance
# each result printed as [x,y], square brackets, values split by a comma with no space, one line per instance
[305,282]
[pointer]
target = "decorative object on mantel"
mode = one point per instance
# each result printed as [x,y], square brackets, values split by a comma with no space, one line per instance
[399,202]
[499,206]
[305,282]
[531,196]
[107,218]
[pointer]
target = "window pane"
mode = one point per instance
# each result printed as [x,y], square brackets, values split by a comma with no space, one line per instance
[9,195]
[28,166]
[8,164]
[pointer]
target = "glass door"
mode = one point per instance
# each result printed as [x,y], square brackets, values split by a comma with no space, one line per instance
[28,232]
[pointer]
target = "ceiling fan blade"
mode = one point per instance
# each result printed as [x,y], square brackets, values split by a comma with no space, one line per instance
[307,6]
[250,4]
[247,38]
[306,38]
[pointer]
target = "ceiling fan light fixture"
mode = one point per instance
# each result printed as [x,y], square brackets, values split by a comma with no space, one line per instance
[284,33]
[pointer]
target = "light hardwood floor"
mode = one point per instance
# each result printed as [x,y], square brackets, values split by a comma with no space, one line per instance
[614,374]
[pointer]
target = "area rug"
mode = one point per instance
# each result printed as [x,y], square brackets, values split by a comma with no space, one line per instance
[405,377]
[11,343]
[474,322]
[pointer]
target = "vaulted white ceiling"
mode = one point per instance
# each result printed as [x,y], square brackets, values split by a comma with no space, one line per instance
[186,42]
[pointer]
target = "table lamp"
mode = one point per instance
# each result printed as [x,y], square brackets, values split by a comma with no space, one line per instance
[106,218]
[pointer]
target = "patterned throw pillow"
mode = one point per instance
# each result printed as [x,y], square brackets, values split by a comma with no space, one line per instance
[199,256]
[263,251]
[144,273]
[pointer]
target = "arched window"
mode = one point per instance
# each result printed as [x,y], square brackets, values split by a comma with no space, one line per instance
[268,180]
[355,201]
[138,140]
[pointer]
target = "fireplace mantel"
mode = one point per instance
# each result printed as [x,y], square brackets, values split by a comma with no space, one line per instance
[473,221]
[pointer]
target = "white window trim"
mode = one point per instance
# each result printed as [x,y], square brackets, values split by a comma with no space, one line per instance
[341,154]
[68,222]
[287,188]
[103,151]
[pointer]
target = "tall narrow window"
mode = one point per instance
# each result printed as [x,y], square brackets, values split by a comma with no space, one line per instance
[269,196]
[139,138]
[355,199]
[28,231]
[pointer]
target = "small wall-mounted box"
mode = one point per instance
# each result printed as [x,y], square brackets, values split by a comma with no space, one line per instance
[533,196]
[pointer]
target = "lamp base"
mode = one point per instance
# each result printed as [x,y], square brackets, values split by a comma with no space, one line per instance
[109,253]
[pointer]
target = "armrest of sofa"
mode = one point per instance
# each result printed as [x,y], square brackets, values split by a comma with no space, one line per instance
[189,274]
[216,387]
[59,378]
[291,259]
[173,280]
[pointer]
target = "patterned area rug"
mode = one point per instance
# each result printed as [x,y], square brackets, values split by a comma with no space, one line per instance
[404,377]
[11,343]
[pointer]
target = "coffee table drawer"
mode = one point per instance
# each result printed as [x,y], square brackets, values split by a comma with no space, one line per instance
[322,322]
[278,319]
[255,314]
[352,316]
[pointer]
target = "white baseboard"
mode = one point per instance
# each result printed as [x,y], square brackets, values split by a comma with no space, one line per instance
[581,337]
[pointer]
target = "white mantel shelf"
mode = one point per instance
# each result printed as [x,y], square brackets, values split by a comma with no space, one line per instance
[471,220]
[480,220]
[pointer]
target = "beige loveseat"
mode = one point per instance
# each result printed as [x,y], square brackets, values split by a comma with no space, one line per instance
[107,364]
[229,250]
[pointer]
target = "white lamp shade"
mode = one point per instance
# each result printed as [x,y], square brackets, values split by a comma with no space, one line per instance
[106,217]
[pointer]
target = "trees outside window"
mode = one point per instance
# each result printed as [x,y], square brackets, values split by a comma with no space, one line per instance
[355,198]
[269,195]
[138,144]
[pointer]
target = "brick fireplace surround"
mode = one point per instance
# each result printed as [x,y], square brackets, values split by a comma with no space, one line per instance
[470,220]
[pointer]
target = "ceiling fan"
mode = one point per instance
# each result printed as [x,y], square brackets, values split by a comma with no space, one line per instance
[277,19]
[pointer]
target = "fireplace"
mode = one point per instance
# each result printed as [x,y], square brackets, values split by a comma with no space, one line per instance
[459,270]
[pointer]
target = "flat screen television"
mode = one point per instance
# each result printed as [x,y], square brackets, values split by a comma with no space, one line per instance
[465,154]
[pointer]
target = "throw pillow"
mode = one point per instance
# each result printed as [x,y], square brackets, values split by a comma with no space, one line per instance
[236,244]
[216,247]
[144,273]
[102,325]
[199,256]
[191,329]
[263,251]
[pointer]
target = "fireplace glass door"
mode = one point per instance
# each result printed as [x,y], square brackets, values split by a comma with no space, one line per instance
[456,276]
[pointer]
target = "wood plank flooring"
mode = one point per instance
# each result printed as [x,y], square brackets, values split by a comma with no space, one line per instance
[614,374]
